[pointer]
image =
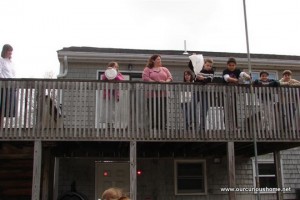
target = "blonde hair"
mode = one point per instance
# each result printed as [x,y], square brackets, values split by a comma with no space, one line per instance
[112,194]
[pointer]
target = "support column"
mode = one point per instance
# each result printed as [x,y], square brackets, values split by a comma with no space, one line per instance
[278,174]
[47,174]
[231,169]
[37,166]
[133,181]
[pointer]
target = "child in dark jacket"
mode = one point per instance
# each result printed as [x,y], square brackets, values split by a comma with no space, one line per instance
[206,75]
[266,100]
[265,81]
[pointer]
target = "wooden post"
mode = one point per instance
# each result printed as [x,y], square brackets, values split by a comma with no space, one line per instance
[37,165]
[133,170]
[231,169]
[278,174]
[47,175]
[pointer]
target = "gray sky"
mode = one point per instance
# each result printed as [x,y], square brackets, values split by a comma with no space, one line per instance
[37,29]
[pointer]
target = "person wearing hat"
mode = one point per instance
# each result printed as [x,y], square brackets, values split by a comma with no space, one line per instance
[266,100]
[265,81]
[289,107]
[287,79]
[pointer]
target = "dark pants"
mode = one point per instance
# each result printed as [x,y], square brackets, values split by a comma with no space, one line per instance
[157,110]
[8,102]
[201,98]
[187,112]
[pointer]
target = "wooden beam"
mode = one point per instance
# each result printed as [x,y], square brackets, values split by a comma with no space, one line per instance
[37,165]
[278,174]
[231,169]
[46,178]
[133,181]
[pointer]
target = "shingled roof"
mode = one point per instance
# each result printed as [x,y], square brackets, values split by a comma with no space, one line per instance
[177,52]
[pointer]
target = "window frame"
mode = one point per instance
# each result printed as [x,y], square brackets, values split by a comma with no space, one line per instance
[191,161]
[264,161]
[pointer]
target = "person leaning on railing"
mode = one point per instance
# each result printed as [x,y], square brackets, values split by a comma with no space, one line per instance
[205,76]
[288,104]
[156,72]
[233,75]
[266,100]
[8,96]
[287,79]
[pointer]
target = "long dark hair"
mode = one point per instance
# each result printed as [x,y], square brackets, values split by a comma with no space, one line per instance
[5,49]
[150,63]
[189,72]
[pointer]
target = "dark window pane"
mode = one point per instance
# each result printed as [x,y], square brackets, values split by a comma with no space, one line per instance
[269,182]
[266,169]
[190,178]
[189,169]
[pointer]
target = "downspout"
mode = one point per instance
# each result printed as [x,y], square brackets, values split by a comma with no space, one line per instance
[64,68]
[63,73]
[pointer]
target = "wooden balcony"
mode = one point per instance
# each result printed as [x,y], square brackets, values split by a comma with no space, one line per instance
[80,110]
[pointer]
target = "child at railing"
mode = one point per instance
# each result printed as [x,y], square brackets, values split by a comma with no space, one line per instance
[112,74]
[266,101]
[203,74]
[206,75]
[186,99]
[233,75]
[110,97]
[287,79]
[290,106]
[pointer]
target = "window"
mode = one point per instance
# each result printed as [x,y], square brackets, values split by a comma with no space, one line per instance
[190,177]
[266,173]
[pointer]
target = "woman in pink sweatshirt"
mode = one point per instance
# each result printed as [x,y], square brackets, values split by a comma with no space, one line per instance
[157,100]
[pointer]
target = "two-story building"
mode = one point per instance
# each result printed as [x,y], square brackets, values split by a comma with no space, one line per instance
[59,137]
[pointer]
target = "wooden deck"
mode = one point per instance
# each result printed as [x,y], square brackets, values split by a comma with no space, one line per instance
[80,110]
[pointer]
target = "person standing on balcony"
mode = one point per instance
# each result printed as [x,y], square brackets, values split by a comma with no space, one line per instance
[186,99]
[205,76]
[289,106]
[287,79]
[157,101]
[7,70]
[111,98]
[266,101]
[233,76]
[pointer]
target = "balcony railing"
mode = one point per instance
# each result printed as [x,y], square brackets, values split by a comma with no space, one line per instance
[93,110]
